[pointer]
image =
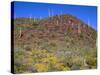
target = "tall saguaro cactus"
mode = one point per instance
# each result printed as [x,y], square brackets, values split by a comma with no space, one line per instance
[20,32]
[52,13]
[30,17]
[49,13]
[40,17]
[79,29]
[88,22]
[30,20]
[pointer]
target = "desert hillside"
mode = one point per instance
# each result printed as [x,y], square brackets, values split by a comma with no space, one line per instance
[56,43]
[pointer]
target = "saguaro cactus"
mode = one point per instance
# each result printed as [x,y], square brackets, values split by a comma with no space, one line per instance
[79,29]
[20,32]
[49,13]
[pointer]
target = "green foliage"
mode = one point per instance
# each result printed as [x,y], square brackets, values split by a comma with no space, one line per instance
[91,61]
[41,60]
[41,67]
[45,60]
[91,58]
[18,65]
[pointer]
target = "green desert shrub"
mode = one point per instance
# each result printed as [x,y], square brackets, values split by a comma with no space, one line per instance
[47,61]
[18,58]
[91,61]
[91,58]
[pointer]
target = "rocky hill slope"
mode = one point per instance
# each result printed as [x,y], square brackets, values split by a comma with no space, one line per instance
[71,42]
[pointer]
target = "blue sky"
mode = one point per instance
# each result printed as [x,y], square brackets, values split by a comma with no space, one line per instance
[37,10]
